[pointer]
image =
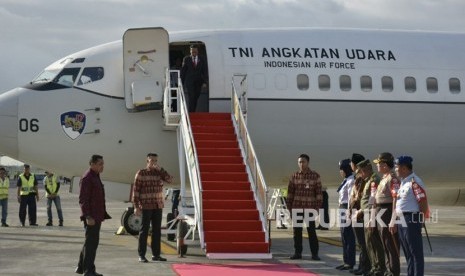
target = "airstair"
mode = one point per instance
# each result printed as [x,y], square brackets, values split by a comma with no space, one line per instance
[228,192]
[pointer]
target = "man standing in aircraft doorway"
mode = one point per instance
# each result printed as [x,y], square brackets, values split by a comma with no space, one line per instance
[304,198]
[28,194]
[147,196]
[194,75]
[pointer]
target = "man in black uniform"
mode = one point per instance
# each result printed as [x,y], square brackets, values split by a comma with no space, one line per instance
[27,195]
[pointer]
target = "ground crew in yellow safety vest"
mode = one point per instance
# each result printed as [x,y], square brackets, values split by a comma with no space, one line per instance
[4,185]
[28,194]
[52,186]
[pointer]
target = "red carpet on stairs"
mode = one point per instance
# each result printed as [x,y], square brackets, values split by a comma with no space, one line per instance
[259,269]
[230,216]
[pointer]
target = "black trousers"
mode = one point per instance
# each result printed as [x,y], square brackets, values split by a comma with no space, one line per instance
[325,208]
[412,244]
[28,201]
[193,89]
[312,238]
[347,237]
[89,250]
[154,217]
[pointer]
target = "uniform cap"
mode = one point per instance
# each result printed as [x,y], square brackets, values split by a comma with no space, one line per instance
[384,157]
[363,164]
[344,164]
[404,160]
[27,166]
[357,158]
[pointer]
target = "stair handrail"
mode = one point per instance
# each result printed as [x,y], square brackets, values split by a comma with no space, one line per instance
[172,86]
[184,134]
[256,176]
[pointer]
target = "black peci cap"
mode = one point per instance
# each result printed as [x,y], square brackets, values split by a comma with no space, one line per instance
[357,158]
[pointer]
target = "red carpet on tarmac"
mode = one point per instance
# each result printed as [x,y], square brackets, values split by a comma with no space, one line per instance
[239,270]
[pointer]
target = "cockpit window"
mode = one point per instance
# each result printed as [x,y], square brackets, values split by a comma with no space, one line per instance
[67,76]
[45,76]
[78,60]
[91,74]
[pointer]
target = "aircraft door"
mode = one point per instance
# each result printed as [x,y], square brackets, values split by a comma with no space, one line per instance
[145,60]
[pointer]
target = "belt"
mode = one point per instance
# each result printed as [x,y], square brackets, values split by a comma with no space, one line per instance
[384,205]
[410,213]
[343,205]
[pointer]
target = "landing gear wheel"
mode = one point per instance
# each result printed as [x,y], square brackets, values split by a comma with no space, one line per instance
[183,228]
[170,217]
[131,222]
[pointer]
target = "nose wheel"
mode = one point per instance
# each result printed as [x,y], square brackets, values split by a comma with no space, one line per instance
[131,222]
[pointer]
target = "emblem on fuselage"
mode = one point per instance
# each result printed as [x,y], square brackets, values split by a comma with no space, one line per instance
[73,123]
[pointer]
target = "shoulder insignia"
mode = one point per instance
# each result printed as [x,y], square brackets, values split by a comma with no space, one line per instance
[419,192]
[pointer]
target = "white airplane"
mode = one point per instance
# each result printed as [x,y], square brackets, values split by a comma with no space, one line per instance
[325,92]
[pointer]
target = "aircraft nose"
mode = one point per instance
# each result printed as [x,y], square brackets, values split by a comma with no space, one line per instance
[9,123]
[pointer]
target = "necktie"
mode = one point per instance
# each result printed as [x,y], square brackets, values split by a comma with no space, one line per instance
[342,185]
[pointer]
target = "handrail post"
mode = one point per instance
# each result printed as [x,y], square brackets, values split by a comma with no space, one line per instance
[186,148]
[258,181]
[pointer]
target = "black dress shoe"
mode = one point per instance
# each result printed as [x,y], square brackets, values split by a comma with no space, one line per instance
[158,258]
[359,272]
[295,257]
[143,260]
[33,224]
[79,270]
[321,228]
[347,267]
[316,258]
[339,267]
[93,274]
[4,224]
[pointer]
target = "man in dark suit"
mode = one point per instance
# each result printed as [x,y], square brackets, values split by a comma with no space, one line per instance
[194,75]
[93,213]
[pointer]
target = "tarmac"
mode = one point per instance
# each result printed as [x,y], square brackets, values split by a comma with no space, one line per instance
[54,250]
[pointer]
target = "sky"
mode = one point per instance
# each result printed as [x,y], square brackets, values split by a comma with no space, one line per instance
[35,33]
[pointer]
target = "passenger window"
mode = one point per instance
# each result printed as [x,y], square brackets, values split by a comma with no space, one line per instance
[345,83]
[454,85]
[366,83]
[410,84]
[91,74]
[432,85]
[303,82]
[67,76]
[387,84]
[324,82]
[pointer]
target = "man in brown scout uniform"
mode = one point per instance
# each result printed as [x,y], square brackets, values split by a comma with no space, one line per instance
[385,193]
[354,205]
[372,238]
